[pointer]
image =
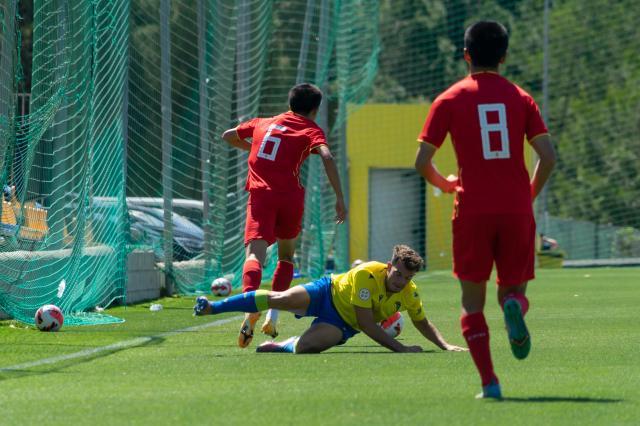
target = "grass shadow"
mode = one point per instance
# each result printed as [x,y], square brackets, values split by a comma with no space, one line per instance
[577,399]
[9,373]
[345,352]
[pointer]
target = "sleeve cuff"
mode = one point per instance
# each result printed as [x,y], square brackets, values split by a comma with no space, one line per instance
[537,136]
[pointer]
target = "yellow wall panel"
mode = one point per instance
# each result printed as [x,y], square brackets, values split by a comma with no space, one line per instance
[384,136]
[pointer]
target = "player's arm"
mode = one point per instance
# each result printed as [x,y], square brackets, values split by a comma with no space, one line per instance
[428,330]
[424,165]
[334,179]
[231,137]
[367,324]
[546,162]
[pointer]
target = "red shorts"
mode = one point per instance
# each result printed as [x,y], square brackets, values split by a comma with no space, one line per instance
[273,215]
[506,239]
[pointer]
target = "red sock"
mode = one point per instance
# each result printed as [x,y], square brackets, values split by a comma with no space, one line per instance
[476,333]
[521,298]
[251,275]
[282,276]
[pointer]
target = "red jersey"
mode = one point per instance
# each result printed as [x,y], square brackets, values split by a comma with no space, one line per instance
[488,118]
[279,147]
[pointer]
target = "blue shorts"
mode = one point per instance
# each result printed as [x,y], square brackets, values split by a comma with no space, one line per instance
[321,307]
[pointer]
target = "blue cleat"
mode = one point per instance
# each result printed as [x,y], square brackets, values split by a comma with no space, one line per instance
[516,328]
[202,307]
[492,390]
[287,346]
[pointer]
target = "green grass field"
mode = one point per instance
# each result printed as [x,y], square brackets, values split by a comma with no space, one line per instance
[156,368]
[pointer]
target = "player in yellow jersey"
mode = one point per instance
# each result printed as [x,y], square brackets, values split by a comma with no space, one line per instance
[344,305]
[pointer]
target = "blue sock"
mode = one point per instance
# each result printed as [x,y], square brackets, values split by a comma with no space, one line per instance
[251,301]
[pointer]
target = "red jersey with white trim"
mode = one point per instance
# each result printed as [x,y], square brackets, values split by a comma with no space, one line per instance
[488,118]
[279,147]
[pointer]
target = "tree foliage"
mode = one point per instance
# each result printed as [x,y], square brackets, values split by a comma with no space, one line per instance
[594,71]
[593,106]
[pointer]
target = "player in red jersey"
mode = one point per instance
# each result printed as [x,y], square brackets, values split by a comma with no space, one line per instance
[275,207]
[488,118]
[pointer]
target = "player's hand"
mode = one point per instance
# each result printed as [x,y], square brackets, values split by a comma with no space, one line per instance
[341,211]
[452,185]
[454,348]
[411,349]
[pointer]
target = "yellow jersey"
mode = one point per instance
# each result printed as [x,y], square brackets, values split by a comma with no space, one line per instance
[364,286]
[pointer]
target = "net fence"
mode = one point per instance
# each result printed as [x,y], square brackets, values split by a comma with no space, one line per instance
[59,246]
[578,60]
[228,61]
[111,113]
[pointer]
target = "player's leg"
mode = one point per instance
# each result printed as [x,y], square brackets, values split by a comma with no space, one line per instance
[327,330]
[255,256]
[282,278]
[515,305]
[259,235]
[514,262]
[283,274]
[296,300]
[256,253]
[473,260]
[517,292]
[289,208]
[476,333]
[319,337]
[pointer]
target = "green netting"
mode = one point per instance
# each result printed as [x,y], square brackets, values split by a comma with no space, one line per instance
[111,133]
[229,61]
[58,244]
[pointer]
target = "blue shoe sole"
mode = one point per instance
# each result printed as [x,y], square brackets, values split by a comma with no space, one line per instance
[519,337]
[491,391]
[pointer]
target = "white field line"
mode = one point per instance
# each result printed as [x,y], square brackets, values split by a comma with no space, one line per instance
[116,346]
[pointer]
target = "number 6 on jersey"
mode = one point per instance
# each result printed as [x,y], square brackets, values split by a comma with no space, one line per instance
[262,152]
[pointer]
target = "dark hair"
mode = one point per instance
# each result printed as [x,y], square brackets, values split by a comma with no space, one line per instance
[304,98]
[408,256]
[487,43]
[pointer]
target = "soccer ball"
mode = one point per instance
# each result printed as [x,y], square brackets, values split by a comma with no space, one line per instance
[221,287]
[49,318]
[393,325]
[356,262]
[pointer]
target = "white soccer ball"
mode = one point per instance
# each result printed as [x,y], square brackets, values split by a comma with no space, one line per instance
[393,325]
[356,262]
[49,318]
[221,287]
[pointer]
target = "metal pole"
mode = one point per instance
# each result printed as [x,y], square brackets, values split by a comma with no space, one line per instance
[304,46]
[126,226]
[205,149]
[545,103]
[125,110]
[7,95]
[305,243]
[167,172]
[323,30]
[60,178]
[242,60]
[314,167]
